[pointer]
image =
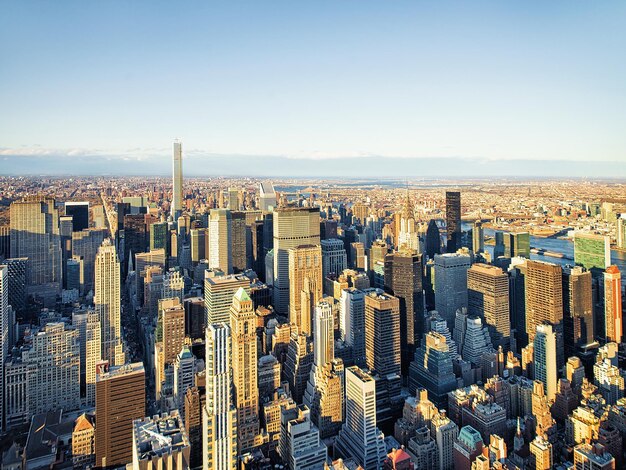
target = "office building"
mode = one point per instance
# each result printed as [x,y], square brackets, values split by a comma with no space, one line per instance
[453,220]
[159,236]
[292,227]
[432,369]
[593,457]
[85,246]
[4,333]
[233,199]
[199,238]
[267,196]
[160,442]
[578,321]
[352,323]
[592,251]
[219,420]
[218,295]
[184,374]
[468,445]
[359,438]
[89,331]
[324,392]
[5,241]
[445,432]
[478,237]
[244,369]
[488,298]
[403,280]
[135,237]
[382,333]
[35,235]
[613,322]
[107,302]
[451,284]
[544,295]
[120,400]
[300,446]
[220,244]
[433,239]
[54,369]
[541,453]
[79,211]
[298,363]
[83,441]
[16,282]
[407,228]
[172,332]
[177,180]
[545,358]
[334,258]
[305,284]
[516,244]
[238,243]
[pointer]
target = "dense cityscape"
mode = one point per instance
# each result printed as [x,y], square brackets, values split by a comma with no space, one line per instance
[239,323]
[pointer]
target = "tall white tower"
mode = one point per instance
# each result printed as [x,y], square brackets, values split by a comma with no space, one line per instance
[177,180]
[545,359]
[107,301]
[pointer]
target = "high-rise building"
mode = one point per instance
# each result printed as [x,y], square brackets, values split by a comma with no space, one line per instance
[219,421]
[292,227]
[177,180]
[468,445]
[16,283]
[488,298]
[172,329]
[220,254]
[593,457]
[334,258]
[35,235]
[5,241]
[300,446]
[445,432]
[198,241]
[544,295]
[107,302]
[621,231]
[160,442]
[218,295]
[592,251]
[83,441]
[194,404]
[578,324]
[233,199]
[80,214]
[453,220]
[352,323]
[432,369]
[305,284]
[4,333]
[158,236]
[541,453]
[244,365]
[359,437]
[478,237]
[88,326]
[433,239]
[407,233]
[267,196]
[238,244]
[516,244]
[120,400]
[451,284]
[54,369]
[135,237]
[382,333]
[85,246]
[545,358]
[403,280]
[613,322]
[184,370]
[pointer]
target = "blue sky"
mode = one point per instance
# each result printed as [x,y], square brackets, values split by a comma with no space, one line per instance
[501,80]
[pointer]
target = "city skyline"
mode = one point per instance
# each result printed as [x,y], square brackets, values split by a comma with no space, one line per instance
[249,83]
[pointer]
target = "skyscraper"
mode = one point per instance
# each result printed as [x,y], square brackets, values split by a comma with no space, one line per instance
[488,298]
[544,295]
[433,239]
[578,324]
[244,365]
[545,358]
[451,284]
[403,280]
[293,227]
[267,196]
[432,369]
[218,295]
[592,250]
[219,422]
[4,332]
[382,333]
[35,235]
[120,400]
[334,258]
[80,214]
[107,302]
[177,180]
[359,437]
[453,220]
[305,284]
[613,304]
[352,322]
[220,253]
[238,248]
[478,237]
